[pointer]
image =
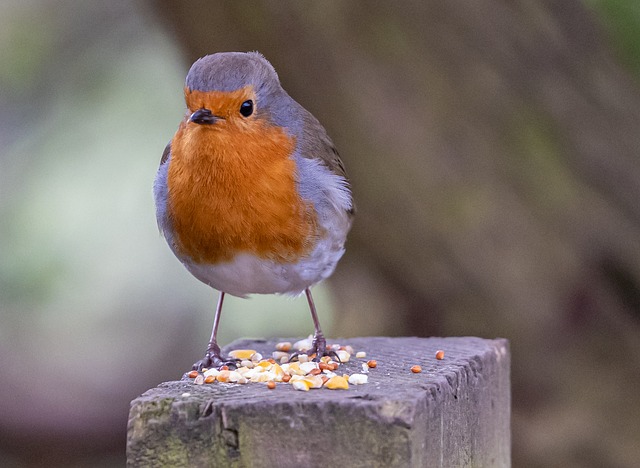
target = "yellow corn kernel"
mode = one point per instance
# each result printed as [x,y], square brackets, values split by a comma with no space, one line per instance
[300,385]
[337,383]
[242,353]
[314,381]
[277,369]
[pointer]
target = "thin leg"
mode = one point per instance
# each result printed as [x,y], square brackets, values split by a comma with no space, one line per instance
[319,342]
[212,357]
[213,341]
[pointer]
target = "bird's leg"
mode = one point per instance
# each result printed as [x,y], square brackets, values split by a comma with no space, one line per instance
[319,344]
[212,357]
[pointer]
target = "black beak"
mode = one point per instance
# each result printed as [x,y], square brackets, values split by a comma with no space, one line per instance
[203,116]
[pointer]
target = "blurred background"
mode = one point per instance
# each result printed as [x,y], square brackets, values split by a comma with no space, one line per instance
[494,149]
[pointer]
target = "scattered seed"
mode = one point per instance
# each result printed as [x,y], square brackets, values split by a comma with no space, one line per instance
[278,355]
[262,377]
[304,345]
[303,374]
[307,367]
[372,363]
[284,346]
[439,355]
[337,383]
[314,381]
[242,353]
[300,385]
[358,379]
[343,355]
[416,369]
[294,369]
[212,372]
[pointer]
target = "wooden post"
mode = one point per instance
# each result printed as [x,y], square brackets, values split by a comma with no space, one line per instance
[455,413]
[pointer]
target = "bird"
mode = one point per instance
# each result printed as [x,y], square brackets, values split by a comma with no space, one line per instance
[251,194]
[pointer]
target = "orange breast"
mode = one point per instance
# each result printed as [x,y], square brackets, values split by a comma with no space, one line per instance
[232,189]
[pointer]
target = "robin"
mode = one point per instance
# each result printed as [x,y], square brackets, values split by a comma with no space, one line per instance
[251,194]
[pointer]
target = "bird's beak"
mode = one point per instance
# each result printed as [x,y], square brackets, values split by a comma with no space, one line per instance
[203,116]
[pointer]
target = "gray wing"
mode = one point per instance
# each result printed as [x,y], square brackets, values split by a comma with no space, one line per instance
[316,144]
[160,192]
[165,153]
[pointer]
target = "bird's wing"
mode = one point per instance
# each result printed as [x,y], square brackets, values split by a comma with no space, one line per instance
[318,145]
[333,162]
[165,153]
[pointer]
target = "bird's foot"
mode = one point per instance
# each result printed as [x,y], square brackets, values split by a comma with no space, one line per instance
[212,358]
[319,349]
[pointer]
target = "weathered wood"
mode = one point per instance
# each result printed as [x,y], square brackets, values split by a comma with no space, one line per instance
[455,413]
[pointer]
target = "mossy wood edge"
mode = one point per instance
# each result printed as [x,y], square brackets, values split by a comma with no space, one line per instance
[456,412]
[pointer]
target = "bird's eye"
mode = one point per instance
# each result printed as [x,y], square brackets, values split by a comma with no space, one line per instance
[246,109]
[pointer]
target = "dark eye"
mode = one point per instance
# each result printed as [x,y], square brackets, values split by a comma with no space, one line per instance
[246,108]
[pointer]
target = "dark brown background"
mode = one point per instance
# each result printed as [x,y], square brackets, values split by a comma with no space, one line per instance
[493,148]
[494,153]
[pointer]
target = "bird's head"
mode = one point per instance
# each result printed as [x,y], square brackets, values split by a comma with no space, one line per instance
[233,92]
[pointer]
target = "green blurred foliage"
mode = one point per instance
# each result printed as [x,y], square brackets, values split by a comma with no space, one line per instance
[622,20]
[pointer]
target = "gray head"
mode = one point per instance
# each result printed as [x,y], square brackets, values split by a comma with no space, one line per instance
[230,71]
[233,71]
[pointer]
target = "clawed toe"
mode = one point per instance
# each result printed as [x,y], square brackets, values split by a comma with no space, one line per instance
[213,359]
[318,350]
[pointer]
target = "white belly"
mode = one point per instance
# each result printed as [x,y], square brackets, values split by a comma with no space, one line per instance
[248,274]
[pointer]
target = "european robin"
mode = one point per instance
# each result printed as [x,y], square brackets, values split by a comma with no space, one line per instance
[251,195]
